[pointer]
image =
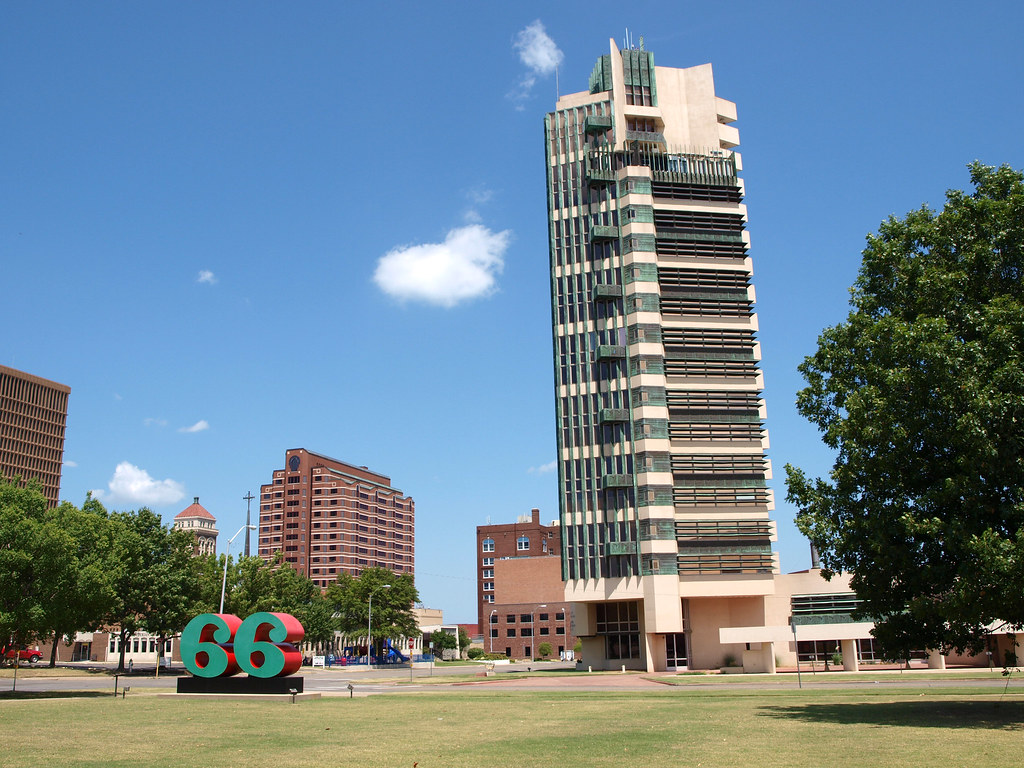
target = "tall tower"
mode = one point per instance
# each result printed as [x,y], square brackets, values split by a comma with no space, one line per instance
[666,536]
[33,418]
[197,519]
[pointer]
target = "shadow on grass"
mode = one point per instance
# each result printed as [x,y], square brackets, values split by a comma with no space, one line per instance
[993,715]
[15,695]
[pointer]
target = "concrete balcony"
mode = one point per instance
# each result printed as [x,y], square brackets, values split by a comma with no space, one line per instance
[604,292]
[597,123]
[599,232]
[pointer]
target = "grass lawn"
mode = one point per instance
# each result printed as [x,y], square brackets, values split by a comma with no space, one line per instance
[41,670]
[674,727]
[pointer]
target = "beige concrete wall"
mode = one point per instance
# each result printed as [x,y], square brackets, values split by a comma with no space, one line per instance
[686,99]
[707,616]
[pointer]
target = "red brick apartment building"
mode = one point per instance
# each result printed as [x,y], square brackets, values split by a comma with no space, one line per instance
[330,517]
[33,417]
[520,592]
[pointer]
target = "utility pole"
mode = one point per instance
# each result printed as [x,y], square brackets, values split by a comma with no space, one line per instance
[248,523]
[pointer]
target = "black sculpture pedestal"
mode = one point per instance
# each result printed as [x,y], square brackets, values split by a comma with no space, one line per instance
[240,685]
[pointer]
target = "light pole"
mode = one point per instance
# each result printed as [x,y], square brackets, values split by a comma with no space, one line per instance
[491,631]
[227,553]
[369,623]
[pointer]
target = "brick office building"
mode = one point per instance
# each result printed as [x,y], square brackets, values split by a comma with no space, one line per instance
[33,417]
[330,517]
[520,592]
[529,609]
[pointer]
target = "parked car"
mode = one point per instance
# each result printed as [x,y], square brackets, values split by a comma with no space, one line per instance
[26,654]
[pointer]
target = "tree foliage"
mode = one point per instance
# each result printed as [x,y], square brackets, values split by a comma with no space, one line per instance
[255,584]
[393,618]
[82,591]
[155,578]
[920,393]
[31,555]
[68,569]
[442,641]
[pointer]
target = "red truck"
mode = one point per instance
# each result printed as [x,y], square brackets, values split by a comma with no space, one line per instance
[26,654]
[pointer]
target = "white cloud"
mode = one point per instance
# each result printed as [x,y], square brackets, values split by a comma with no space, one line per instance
[480,195]
[465,266]
[199,426]
[152,422]
[477,196]
[70,463]
[544,469]
[538,51]
[133,485]
[206,276]
[540,55]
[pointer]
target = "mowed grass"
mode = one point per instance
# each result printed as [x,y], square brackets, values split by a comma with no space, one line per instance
[921,727]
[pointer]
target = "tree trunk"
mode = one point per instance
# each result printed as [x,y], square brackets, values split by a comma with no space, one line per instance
[53,650]
[123,634]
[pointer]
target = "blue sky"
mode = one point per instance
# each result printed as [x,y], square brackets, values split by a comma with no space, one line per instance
[200,202]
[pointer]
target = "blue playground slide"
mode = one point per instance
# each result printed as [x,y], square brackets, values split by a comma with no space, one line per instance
[392,655]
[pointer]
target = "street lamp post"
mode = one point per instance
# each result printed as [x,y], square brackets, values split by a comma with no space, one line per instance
[490,630]
[227,553]
[369,622]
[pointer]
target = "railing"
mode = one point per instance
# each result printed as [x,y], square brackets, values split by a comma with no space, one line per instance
[722,529]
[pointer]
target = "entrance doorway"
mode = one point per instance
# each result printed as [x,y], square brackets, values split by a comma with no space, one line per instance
[675,652]
[81,652]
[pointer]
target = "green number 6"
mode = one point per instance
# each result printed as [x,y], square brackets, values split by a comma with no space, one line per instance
[263,645]
[206,646]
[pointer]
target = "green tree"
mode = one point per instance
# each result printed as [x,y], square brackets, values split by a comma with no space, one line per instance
[318,620]
[920,393]
[392,604]
[442,641]
[254,584]
[178,597]
[209,572]
[155,583]
[544,649]
[32,562]
[82,589]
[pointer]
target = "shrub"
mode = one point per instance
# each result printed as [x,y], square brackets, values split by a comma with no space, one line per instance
[475,653]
